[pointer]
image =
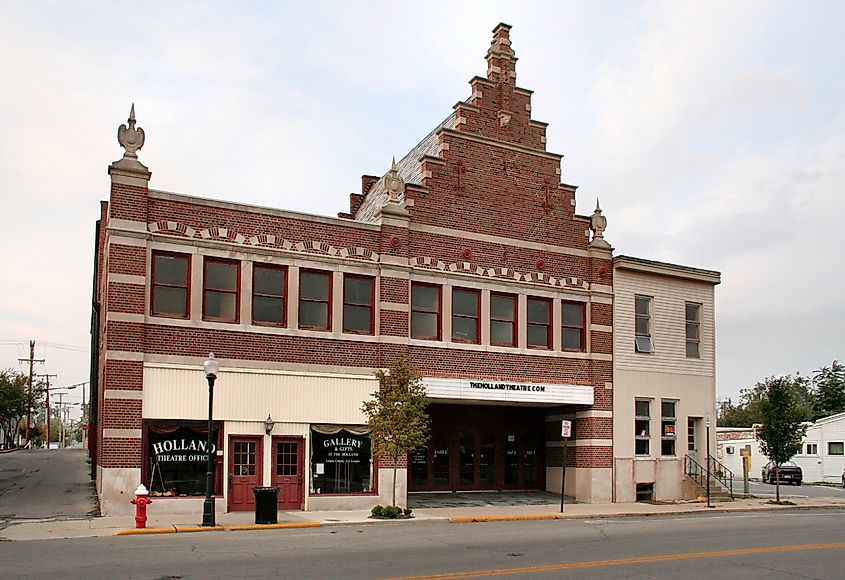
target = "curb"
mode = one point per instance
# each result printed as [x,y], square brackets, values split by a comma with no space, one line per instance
[196,529]
[713,510]
[473,519]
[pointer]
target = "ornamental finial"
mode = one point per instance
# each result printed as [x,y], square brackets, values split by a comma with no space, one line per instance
[130,138]
[393,184]
[598,223]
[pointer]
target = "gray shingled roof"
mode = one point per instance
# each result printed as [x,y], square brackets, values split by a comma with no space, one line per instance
[408,168]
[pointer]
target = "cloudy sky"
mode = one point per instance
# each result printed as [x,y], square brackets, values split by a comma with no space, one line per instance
[713,132]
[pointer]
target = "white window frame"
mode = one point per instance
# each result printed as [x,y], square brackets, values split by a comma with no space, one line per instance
[666,419]
[806,451]
[644,343]
[697,322]
[835,454]
[637,435]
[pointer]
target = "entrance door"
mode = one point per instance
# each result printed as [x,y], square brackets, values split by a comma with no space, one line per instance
[692,439]
[287,472]
[245,459]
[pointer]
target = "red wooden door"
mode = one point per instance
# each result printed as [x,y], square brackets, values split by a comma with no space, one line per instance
[287,472]
[245,460]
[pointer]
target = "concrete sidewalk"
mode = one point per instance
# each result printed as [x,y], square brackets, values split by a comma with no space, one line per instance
[241,521]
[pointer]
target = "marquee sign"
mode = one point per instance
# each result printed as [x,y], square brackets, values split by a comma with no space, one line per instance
[506,391]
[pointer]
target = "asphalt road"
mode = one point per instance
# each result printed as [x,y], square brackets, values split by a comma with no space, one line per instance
[41,484]
[795,543]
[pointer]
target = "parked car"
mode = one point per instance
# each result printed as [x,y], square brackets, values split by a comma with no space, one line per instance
[789,473]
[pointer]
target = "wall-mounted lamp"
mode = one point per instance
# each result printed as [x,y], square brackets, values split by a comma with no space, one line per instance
[268,425]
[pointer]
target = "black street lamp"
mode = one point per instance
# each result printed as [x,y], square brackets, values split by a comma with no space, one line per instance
[211,367]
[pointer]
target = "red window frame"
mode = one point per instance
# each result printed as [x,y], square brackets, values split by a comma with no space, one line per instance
[477,316]
[283,297]
[327,301]
[548,325]
[369,305]
[513,322]
[582,329]
[237,291]
[155,284]
[438,312]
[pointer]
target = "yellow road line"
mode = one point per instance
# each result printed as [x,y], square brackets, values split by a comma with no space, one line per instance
[468,519]
[624,561]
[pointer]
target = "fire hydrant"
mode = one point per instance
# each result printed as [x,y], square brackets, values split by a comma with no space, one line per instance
[140,502]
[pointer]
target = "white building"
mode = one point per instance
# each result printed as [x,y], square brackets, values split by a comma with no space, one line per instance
[822,455]
[664,379]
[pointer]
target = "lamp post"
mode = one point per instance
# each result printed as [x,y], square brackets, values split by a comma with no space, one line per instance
[211,367]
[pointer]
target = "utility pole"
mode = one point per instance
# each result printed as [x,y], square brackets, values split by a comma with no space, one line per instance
[47,394]
[31,360]
[61,425]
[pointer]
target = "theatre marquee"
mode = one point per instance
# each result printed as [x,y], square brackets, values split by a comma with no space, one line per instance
[507,391]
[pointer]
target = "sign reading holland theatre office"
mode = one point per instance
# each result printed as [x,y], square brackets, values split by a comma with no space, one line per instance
[506,391]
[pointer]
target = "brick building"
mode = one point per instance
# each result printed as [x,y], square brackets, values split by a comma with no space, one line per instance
[467,255]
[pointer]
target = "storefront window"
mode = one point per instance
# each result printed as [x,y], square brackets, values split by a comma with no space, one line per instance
[341,460]
[176,459]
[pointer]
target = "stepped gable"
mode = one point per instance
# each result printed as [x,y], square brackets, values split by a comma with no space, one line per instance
[485,168]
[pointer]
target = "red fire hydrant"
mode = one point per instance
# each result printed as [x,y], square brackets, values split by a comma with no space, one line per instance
[140,502]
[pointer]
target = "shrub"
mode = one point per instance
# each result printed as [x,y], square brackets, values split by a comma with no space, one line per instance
[408,512]
[377,512]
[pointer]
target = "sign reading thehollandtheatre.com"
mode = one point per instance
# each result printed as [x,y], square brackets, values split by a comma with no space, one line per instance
[506,391]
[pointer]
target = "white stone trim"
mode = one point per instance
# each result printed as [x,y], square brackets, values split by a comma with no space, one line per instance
[129,225]
[127,279]
[395,306]
[246,366]
[125,317]
[121,433]
[601,328]
[115,239]
[124,355]
[123,394]
[593,413]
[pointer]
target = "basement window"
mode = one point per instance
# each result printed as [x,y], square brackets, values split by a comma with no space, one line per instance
[645,492]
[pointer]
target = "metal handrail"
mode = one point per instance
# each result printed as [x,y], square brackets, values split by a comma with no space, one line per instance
[722,474]
[698,473]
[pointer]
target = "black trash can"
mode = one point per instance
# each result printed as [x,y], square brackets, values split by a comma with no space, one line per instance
[266,500]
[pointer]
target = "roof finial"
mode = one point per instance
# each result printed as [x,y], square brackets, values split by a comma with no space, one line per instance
[598,223]
[393,184]
[130,138]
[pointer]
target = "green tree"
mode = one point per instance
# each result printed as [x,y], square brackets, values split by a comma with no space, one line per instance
[397,413]
[748,412]
[783,427]
[15,400]
[829,395]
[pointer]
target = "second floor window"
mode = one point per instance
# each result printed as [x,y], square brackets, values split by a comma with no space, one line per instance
[171,285]
[642,324]
[425,311]
[315,300]
[538,319]
[466,313]
[268,294]
[693,322]
[221,290]
[572,331]
[503,319]
[358,304]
